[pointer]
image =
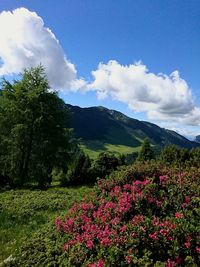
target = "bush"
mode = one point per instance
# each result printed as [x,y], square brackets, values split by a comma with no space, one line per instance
[194,159]
[107,163]
[78,172]
[42,250]
[142,216]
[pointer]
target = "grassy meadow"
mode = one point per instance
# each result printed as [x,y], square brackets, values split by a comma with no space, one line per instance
[93,148]
[23,212]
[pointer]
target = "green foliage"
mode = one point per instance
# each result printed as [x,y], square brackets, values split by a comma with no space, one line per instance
[107,163]
[194,159]
[32,135]
[170,154]
[78,170]
[146,152]
[81,170]
[24,212]
[173,155]
[44,249]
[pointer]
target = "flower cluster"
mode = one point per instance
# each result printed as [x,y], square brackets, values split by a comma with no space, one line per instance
[136,222]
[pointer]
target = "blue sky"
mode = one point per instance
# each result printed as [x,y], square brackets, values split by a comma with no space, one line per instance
[163,36]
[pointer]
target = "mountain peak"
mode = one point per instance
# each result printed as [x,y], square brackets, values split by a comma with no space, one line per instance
[111,128]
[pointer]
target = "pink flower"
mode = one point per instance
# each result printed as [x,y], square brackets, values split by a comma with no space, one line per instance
[90,244]
[163,178]
[154,236]
[127,187]
[170,238]
[128,259]
[170,263]
[187,245]
[138,219]
[155,222]
[164,232]
[86,206]
[198,250]
[137,182]
[106,242]
[187,199]
[58,223]
[146,181]
[66,247]
[115,221]
[123,228]
[110,205]
[100,263]
[179,215]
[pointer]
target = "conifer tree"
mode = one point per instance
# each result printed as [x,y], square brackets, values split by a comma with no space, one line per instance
[146,152]
[33,138]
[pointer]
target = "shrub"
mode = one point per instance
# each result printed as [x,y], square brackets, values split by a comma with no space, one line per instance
[107,163]
[142,216]
[78,172]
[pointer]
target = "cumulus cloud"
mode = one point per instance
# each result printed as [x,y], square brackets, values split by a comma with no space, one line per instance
[25,42]
[164,97]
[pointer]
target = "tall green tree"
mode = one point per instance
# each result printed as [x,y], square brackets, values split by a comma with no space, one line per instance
[33,138]
[106,163]
[146,152]
[79,170]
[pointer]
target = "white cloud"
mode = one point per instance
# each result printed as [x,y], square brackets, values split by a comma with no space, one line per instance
[160,96]
[25,42]
[187,131]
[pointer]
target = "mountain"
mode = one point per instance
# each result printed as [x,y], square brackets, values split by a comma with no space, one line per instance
[197,139]
[102,129]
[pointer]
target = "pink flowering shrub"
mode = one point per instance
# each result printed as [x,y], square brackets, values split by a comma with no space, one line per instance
[147,218]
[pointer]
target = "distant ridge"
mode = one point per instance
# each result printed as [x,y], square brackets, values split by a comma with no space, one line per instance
[197,139]
[100,129]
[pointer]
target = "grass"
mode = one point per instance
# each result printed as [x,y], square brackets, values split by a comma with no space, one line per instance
[23,212]
[93,148]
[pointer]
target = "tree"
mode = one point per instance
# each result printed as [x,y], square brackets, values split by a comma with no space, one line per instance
[33,137]
[170,154]
[194,159]
[78,172]
[106,163]
[146,152]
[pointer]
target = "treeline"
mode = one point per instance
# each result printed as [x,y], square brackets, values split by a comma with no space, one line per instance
[170,155]
[37,148]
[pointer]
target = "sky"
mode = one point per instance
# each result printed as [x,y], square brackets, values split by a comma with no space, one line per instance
[139,57]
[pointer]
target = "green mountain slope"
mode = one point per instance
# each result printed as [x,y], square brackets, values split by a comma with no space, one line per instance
[101,129]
